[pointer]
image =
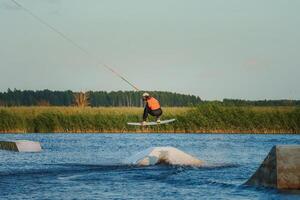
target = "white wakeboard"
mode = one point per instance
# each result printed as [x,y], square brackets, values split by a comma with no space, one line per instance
[151,123]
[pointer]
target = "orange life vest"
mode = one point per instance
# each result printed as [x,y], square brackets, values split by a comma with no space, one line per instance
[153,104]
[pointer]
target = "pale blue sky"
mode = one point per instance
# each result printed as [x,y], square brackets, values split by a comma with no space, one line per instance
[215,48]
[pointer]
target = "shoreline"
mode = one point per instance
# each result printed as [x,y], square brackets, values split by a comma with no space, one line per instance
[227,132]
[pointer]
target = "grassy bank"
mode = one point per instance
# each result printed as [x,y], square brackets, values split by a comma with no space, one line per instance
[206,118]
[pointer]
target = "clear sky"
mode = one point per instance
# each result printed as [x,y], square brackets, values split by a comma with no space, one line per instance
[216,49]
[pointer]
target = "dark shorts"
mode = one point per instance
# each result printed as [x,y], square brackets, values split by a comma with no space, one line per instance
[155,113]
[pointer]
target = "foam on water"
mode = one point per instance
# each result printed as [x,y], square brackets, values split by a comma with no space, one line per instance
[163,155]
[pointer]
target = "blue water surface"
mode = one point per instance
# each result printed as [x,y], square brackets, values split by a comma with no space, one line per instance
[89,166]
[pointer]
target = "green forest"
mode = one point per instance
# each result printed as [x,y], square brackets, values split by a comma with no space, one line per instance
[91,98]
[117,99]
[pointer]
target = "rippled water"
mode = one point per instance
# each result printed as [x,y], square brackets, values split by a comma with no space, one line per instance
[87,166]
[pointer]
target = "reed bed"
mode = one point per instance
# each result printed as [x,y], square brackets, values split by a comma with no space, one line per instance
[204,118]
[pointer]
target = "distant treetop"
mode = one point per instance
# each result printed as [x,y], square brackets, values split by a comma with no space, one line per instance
[91,98]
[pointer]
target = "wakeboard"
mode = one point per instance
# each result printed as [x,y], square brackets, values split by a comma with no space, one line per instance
[151,123]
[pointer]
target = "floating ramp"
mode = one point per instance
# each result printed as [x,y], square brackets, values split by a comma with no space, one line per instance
[280,169]
[163,156]
[20,146]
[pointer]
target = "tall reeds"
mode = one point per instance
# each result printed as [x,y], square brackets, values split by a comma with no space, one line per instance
[204,118]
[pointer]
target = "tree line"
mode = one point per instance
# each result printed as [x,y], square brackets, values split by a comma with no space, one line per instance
[118,99]
[91,98]
[239,102]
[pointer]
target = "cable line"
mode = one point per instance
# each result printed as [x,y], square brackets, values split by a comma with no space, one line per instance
[75,44]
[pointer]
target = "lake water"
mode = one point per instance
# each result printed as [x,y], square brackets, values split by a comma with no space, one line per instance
[88,166]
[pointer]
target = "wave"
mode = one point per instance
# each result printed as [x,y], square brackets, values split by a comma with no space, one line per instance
[76,168]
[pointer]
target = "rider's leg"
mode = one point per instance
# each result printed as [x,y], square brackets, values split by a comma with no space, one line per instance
[146,112]
[157,113]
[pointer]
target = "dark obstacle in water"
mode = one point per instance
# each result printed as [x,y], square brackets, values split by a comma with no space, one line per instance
[280,169]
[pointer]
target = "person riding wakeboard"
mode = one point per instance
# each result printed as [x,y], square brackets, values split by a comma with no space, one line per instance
[152,107]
